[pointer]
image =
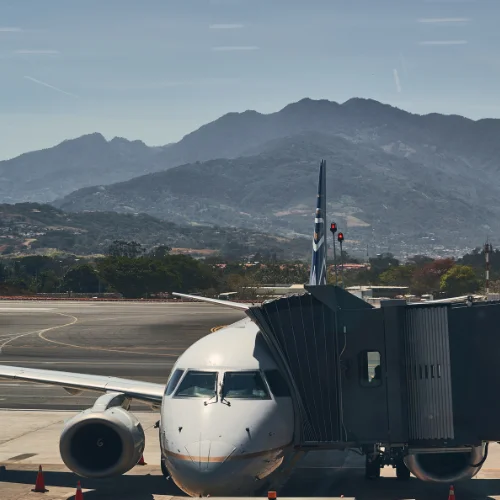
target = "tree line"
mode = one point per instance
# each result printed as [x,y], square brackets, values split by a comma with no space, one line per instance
[444,277]
[131,270]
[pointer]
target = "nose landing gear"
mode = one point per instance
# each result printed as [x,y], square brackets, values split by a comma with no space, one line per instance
[373,464]
[164,469]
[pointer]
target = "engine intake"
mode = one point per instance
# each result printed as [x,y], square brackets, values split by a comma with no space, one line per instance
[446,466]
[102,441]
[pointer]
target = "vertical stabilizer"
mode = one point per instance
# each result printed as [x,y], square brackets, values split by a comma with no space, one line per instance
[318,263]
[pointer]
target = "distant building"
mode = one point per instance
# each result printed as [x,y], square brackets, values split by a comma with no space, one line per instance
[378,292]
[278,290]
[227,295]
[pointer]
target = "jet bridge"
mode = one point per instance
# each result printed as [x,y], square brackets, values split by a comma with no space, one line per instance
[402,374]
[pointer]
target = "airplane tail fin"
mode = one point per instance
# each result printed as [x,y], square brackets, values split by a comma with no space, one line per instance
[318,261]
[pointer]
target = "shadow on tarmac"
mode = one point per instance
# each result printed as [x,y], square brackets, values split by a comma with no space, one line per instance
[351,485]
[389,489]
[140,487]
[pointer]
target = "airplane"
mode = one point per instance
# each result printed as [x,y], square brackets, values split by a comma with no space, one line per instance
[227,418]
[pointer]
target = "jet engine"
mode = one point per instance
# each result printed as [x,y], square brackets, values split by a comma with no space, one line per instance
[447,465]
[105,440]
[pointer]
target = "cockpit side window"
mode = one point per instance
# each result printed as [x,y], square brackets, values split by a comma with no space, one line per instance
[245,385]
[197,384]
[277,384]
[173,381]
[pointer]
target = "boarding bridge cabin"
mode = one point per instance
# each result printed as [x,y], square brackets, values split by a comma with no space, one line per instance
[399,380]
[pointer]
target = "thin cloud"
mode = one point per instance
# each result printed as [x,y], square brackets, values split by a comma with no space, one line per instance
[37,52]
[443,42]
[231,48]
[225,2]
[57,89]
[234,26]
[396,80]
[8,29]
[165,84]
[443,20]
[449,1]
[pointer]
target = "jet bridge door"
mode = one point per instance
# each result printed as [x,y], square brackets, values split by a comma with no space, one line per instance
[364,376]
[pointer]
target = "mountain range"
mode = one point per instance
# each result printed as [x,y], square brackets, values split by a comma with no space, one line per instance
[395,180]
[41,228]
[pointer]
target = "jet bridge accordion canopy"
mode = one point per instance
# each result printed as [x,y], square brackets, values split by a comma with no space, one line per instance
[401,373]
[301,331]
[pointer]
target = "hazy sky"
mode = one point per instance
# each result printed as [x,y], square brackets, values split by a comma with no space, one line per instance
[157,69]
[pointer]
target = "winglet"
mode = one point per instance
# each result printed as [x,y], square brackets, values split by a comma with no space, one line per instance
[226,303]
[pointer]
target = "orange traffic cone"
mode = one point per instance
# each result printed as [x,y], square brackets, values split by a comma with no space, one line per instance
[78,494]
[451,494]
[40,482]
[271,495]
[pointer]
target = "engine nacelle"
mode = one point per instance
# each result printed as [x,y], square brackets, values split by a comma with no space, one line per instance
[102,441]
[446,466]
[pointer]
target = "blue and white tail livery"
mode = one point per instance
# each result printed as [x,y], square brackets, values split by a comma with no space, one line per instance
[318,263]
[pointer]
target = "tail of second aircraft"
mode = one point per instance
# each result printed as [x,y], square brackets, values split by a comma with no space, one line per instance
[318,261]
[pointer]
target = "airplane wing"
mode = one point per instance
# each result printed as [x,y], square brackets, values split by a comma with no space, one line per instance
[227,303]
[142,391]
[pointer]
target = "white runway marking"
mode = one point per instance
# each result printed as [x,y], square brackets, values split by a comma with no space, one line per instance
[2,384]
[39,331]
[89,348]
[34,396]
[26,309]
[97,363]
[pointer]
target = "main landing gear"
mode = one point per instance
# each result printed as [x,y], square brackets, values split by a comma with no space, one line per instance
[377,457]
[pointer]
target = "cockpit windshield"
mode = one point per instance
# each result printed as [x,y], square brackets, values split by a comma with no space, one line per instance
[197,384]
[244,385]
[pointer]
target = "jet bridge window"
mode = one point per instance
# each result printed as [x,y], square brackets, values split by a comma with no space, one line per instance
[370,370]
[197,384]
[245,385]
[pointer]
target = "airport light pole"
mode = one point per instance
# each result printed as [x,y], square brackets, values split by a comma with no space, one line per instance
[333,229]
[487,251]
[340,237]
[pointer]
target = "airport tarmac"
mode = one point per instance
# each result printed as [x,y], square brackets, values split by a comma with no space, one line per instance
[122,339]
[31,438]
[142,341]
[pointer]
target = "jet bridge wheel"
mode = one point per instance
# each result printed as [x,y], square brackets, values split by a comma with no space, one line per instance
[372,467]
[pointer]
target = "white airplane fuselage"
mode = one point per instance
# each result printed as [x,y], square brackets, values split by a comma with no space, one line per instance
[216,445]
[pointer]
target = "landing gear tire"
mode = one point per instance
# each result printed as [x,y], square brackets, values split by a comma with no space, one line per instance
[402,472]
[164,469]
[372,468]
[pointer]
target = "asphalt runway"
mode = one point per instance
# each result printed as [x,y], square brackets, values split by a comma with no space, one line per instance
[122,339]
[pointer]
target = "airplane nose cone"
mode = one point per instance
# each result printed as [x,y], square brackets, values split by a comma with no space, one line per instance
[206,468]
[209,455]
